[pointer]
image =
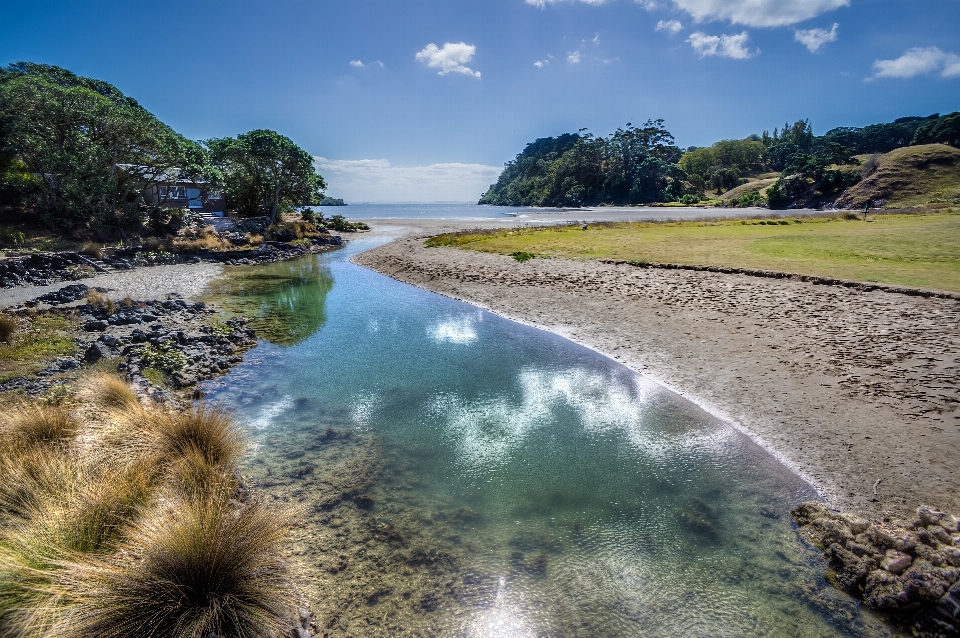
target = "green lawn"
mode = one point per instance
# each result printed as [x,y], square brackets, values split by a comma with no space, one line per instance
[910,250]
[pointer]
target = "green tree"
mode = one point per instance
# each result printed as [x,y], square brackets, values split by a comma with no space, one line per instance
[265,173]
[944,130]
[88,149]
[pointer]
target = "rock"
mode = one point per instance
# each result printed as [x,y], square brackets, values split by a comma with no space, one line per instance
[94,353]
[940,534]
[108,340]
[929,516]
[851,569]
[883,590]
[896,562]
[95,325]
[926,582]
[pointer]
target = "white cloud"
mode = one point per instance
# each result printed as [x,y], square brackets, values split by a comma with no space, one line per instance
[649,5]
[919,61]
[541,63]
[376,180]
[759,13]
[813,39]
[452,57]
[360,65]
[672,26]
[725,46]
[573,57]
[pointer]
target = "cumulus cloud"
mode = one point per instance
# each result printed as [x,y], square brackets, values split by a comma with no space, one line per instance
[919,61]
[452,57]
[376,180]
[725,46]
[360,65]
[573,57]
[759,13]
[671,26]
[813,39]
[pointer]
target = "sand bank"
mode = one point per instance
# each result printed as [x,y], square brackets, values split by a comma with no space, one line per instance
[857,391]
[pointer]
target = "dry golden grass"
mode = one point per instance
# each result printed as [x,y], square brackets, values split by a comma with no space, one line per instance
[135,528]
[8,327]
[37,425]
[92,249]
[110,391]
[204,568]
[99,300]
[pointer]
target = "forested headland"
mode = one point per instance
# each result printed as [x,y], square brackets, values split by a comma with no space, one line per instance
[78,156]
[643,165]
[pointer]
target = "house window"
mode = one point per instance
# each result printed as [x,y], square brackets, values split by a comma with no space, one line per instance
[172,192]
[193,198]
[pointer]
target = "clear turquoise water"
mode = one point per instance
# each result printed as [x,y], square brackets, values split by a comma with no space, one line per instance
[592,501]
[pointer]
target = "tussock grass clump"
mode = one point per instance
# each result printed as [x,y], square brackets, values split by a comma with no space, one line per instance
[125,520]
[8,328]
[110,391]
[204,433]
[99,300]
[203,568]
[92,249]
[41,424]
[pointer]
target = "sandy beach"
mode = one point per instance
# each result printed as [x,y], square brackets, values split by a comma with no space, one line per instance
[856,391]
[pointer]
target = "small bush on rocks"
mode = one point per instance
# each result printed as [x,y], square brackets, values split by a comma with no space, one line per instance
[164,357]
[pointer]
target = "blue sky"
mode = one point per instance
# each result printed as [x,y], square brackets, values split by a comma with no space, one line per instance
[358,84]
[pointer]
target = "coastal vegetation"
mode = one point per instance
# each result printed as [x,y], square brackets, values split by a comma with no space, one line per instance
[921,250]
[80,157]
[788,168]
[124,519]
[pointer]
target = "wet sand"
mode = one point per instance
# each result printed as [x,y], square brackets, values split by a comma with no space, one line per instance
[856,391]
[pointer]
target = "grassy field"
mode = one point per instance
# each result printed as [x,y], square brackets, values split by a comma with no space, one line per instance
[910,250]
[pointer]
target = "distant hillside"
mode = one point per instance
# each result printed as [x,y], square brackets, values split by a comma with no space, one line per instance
[907,177]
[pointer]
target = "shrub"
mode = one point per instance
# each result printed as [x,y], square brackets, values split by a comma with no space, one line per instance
[689,199]
[8,328]
[11,237]
[204,568]
[164,357]
[79,272]
[776,198]
[92,249]
[522,256]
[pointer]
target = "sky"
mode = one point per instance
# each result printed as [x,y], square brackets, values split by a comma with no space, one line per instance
[425,100]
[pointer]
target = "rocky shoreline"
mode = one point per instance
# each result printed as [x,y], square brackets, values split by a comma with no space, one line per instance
[44,269]
[181,340]
[909,572]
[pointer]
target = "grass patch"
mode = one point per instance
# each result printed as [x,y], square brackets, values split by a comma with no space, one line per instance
[920,250]
[100,539]
[43,338]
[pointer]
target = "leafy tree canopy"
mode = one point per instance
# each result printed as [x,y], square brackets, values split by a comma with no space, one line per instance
[78,152]
[265,173]
[631,165]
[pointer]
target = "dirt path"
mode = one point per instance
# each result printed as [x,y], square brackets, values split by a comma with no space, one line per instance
[145,283]
[857,391]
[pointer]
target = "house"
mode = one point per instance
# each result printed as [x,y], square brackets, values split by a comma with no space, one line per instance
[169,190]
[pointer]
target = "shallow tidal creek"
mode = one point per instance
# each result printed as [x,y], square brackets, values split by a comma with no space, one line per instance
[459,474]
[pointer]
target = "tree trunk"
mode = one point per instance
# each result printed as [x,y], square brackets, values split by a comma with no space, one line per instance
[274,211]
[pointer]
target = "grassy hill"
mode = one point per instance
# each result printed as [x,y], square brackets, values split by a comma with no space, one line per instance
[907,177]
